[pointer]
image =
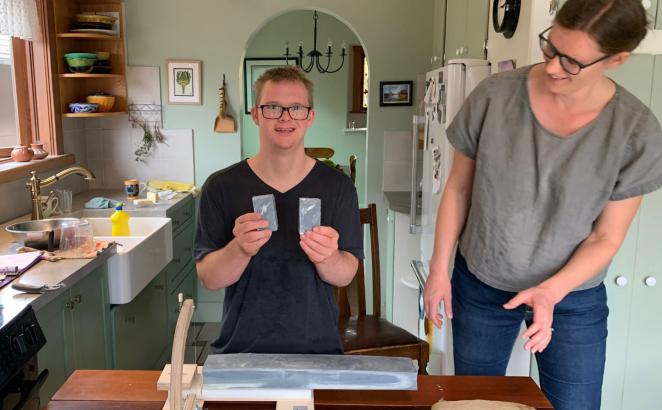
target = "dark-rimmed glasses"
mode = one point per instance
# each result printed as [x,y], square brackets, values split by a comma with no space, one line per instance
[274,111]
[569,64]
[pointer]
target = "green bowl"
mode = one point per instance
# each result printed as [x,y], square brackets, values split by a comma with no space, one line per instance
[80,62]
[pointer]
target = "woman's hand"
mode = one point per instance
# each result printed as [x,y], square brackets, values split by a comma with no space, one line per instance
[542,303]
[437,289]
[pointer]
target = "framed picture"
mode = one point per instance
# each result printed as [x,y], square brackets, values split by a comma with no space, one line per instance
[184,81]
[394,93]
[253,69]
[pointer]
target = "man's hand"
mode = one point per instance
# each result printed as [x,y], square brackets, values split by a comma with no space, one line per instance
[437,290]
[246,233]
[542,304]
[320,243]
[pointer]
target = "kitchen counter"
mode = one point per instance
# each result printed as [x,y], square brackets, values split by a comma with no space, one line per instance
[67,271]
[122,389]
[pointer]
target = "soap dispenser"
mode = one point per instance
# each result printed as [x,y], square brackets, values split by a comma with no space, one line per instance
[120,221]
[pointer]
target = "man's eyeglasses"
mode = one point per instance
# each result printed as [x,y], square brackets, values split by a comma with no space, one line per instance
[569,64]
[274,112]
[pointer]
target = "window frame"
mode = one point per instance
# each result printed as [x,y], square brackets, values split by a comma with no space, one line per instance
[358,71]
[37,93]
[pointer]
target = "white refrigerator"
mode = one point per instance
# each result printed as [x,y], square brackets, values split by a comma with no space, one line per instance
[446,90]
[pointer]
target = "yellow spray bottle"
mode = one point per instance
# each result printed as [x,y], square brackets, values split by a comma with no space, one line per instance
[120,222]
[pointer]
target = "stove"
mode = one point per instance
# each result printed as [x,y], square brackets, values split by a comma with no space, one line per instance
[20,340]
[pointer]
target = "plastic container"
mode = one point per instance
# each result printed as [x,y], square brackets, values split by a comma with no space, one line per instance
[120,222]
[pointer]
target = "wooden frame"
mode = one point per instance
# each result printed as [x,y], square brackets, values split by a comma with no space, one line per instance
[254,67]
[395,93]
[357,80]
[181,91]
[36,92]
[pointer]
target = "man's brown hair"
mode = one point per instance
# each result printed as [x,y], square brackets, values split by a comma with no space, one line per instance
[283,74]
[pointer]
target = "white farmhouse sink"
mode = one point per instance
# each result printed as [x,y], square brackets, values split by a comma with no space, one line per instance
[140,257]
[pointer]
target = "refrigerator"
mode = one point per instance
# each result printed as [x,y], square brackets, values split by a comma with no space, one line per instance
[445,92]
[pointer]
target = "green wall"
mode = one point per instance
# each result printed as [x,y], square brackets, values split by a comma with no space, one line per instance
[396,36]
[331,90]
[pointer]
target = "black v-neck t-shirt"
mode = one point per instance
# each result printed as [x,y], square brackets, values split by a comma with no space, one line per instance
[279,304]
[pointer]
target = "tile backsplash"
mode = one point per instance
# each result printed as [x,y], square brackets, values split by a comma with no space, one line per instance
[110,145]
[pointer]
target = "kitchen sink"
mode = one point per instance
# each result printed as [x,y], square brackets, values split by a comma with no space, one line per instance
[140,257]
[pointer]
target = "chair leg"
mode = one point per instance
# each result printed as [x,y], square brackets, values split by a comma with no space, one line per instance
[422,366]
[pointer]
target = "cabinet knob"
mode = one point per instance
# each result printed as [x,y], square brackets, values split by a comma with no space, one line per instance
[77,299]
[621,281]
[69,305]
[650,281]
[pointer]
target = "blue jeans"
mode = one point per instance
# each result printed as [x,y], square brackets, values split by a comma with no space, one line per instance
[571,367]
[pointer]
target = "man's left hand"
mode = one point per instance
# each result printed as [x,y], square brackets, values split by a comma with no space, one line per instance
[320,243]
[542,304]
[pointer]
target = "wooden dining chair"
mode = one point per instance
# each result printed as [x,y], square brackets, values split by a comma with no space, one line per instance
[352,168]
[319,152]
[370,334]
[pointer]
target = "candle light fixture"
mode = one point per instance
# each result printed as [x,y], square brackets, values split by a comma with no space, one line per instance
[315,55]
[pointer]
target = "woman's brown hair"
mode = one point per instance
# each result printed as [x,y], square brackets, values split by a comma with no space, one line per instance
[616,25]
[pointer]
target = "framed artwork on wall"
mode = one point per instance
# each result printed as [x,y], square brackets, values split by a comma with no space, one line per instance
[395,93]
[253,69]
[184,81]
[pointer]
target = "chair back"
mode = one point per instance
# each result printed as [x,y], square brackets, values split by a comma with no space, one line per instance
[368,217]
[319,152]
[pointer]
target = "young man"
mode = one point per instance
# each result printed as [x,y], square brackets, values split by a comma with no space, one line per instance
[278,285]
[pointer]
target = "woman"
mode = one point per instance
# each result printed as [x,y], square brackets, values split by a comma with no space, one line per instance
[551,163]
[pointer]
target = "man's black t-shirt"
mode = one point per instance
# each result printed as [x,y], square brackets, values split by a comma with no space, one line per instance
[280,304]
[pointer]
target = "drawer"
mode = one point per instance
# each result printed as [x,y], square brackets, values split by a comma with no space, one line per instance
[182,214]
[182,253]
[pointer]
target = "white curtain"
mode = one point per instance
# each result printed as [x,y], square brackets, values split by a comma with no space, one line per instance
[18,18]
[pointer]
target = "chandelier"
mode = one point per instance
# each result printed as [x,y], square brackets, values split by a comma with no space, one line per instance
[316,55]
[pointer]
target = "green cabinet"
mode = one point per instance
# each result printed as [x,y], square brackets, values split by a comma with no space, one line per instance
[139,328]
[466,29]
[634,356]
[187,287]
[77,331]
[658,24]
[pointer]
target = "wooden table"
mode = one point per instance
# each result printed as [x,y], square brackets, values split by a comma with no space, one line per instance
[136,389]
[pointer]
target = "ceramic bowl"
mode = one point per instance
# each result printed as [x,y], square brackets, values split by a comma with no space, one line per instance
[78,107]
[102,55]
[104,101]
[80,62]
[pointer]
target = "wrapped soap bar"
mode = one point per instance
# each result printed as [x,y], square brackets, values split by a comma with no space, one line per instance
[265,205]
[310,214]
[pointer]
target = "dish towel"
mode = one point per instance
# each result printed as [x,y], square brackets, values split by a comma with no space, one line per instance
[159,185]
[70,254]
[101,203]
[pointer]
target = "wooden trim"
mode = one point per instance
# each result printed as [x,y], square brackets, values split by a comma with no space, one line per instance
[22,80]
[357,79]
[22,169]
[5,152]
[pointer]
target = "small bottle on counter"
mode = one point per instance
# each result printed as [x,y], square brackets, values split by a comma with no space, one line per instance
[120,222]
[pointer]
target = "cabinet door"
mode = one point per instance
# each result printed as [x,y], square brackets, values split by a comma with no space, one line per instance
[658,25]
[656,97]
[476,29]
[88,319]
[643,383]
[456,26]
[187,288]
[140,328]
[52,356]
[635,75]
[619,283]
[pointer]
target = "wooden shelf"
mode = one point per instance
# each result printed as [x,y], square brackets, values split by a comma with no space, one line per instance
[89,36]
[90,75]
[93,114]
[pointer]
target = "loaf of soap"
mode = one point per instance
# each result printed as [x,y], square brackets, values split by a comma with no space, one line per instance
[308,371]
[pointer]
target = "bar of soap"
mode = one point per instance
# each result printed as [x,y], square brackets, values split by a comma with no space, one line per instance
[308,371]
[143,202]
[153,196]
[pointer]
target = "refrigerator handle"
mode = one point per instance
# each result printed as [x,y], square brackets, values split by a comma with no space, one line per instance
[413,195]
[419,271]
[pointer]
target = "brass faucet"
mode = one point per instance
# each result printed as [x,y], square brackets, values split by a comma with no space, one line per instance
[35,184]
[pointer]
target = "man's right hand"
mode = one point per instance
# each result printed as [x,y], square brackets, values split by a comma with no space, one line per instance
[246,233]
[437,289]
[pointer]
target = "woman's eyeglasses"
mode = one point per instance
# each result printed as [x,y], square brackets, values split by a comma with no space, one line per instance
[569,64]
[274,111]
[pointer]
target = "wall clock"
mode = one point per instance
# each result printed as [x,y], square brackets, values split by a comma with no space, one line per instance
[505,16]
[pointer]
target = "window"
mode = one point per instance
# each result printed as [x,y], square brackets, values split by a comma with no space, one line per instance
[360,81]
[8,131]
